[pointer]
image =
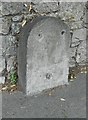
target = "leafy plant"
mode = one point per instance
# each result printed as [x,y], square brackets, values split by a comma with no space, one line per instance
[13,77]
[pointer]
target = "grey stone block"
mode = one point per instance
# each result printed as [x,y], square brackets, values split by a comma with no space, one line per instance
[2,67]
[8,45]
[43,55]
[6,24]
[79,34]
[0,45]
[46,7]
[9,8]
[82,53]
[2,63]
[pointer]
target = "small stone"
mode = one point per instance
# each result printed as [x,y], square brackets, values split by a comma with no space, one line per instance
[2,80]
[15,28]
[25,5]
[62,99]
[17,18]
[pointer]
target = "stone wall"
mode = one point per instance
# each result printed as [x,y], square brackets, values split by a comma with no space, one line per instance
[13,16]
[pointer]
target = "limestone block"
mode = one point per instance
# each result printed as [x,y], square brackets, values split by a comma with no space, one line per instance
[43,55]
[79,34]
[6,23]
[1,22]
[8,45]
[46,7]
[2,63]
[82,53]
[0,45]
[2,67]
[12,8]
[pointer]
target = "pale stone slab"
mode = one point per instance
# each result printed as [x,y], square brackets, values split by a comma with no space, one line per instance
[43,55]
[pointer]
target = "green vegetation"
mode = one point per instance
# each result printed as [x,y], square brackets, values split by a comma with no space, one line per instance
[13,77]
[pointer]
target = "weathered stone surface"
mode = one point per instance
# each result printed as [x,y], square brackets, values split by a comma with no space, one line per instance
[0,8]
[2,63]
[82,53]
[11,51]
[15,28]
[17,18]
[46,7]
[8,45]
[74,15]
[45,65]
[10,63]
[71,11]
[5,26]
[0,45]
[1,20]
[10,8]
[79,34]
[72,57]
[2,67]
